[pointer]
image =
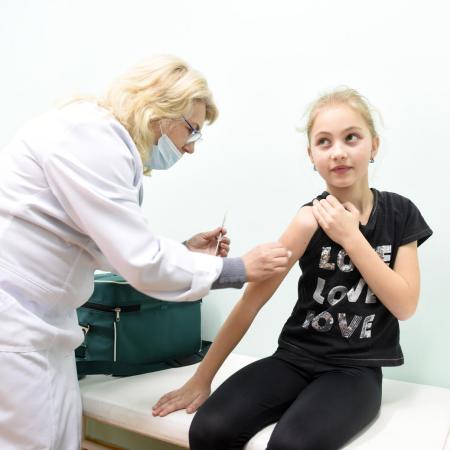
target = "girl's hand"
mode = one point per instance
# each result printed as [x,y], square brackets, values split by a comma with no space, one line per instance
[339,221]
[190,396]
[206,242]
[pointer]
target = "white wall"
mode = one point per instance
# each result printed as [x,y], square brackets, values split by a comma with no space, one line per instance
[265,62]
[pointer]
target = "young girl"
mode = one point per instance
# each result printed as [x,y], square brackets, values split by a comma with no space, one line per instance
[357,249]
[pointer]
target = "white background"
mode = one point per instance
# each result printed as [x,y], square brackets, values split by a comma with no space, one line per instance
[265,62]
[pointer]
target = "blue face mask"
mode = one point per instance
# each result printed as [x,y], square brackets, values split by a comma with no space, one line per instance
[164,155]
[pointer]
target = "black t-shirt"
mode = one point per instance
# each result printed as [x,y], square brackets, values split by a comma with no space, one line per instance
[337,318]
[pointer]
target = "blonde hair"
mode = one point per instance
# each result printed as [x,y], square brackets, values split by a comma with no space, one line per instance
[164,87]
[346,96]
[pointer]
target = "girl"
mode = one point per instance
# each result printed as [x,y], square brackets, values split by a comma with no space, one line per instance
[357,249]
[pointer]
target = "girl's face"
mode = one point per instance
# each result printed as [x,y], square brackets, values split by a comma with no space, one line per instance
[341,146]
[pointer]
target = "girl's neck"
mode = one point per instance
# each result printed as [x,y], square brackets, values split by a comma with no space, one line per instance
[360,196]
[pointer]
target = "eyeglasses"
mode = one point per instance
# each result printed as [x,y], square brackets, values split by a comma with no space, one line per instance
[195,134]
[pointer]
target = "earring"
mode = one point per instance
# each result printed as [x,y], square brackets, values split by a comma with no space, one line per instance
[314,168]
[371,160]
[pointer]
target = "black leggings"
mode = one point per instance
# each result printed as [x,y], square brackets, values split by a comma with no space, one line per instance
[317,406]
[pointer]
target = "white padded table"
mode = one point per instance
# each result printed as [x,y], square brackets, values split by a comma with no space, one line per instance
[412,417]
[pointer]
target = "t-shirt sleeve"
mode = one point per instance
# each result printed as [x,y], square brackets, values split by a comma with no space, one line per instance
[415,229]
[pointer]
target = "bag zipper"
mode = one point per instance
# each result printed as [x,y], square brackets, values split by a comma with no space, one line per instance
[117,310]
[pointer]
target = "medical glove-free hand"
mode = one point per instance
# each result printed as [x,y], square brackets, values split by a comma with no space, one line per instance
[190,397]
[206,242]
[265,261]
[340,221]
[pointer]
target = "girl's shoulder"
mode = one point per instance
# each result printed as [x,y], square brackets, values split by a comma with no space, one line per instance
[403,214]
[392,196]
[305,219]
[395,202]
[300,232]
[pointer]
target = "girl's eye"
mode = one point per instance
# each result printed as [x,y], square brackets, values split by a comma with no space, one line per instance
[323,141]
[352,137]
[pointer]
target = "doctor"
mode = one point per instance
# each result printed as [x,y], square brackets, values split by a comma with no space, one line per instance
[70,194]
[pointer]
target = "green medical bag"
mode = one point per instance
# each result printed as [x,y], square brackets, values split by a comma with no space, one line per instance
[129,333]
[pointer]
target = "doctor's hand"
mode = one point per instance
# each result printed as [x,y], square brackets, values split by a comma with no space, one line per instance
[206,242]
[190,397]
[266,260]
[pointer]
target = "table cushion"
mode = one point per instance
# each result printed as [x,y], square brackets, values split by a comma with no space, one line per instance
[412,417]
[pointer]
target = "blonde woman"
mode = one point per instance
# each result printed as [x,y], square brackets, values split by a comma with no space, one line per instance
[70,194]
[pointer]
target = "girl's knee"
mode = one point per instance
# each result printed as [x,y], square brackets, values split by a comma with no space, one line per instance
[282,443]
[209,431]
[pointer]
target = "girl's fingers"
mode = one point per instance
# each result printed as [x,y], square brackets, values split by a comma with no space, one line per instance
[165,398]
[195,405]
[350,207]
[333,201]
[324,209]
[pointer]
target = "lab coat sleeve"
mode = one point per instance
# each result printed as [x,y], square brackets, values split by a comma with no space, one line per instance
[92,173]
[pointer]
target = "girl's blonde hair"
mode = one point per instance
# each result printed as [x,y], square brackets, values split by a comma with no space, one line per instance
[164,87]
[346,96]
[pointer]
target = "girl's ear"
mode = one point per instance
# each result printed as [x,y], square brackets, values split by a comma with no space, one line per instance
[375,144]
[310,154]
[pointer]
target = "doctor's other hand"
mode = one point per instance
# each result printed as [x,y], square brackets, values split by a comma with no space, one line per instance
[266,260]
[206,242]
[190,397]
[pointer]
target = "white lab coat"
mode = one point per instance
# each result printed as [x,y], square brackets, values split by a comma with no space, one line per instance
[70,191]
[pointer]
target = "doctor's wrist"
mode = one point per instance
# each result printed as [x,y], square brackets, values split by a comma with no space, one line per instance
[233,274]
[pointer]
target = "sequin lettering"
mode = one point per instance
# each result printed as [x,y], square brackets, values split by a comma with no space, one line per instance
[338,293]
[324,321]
